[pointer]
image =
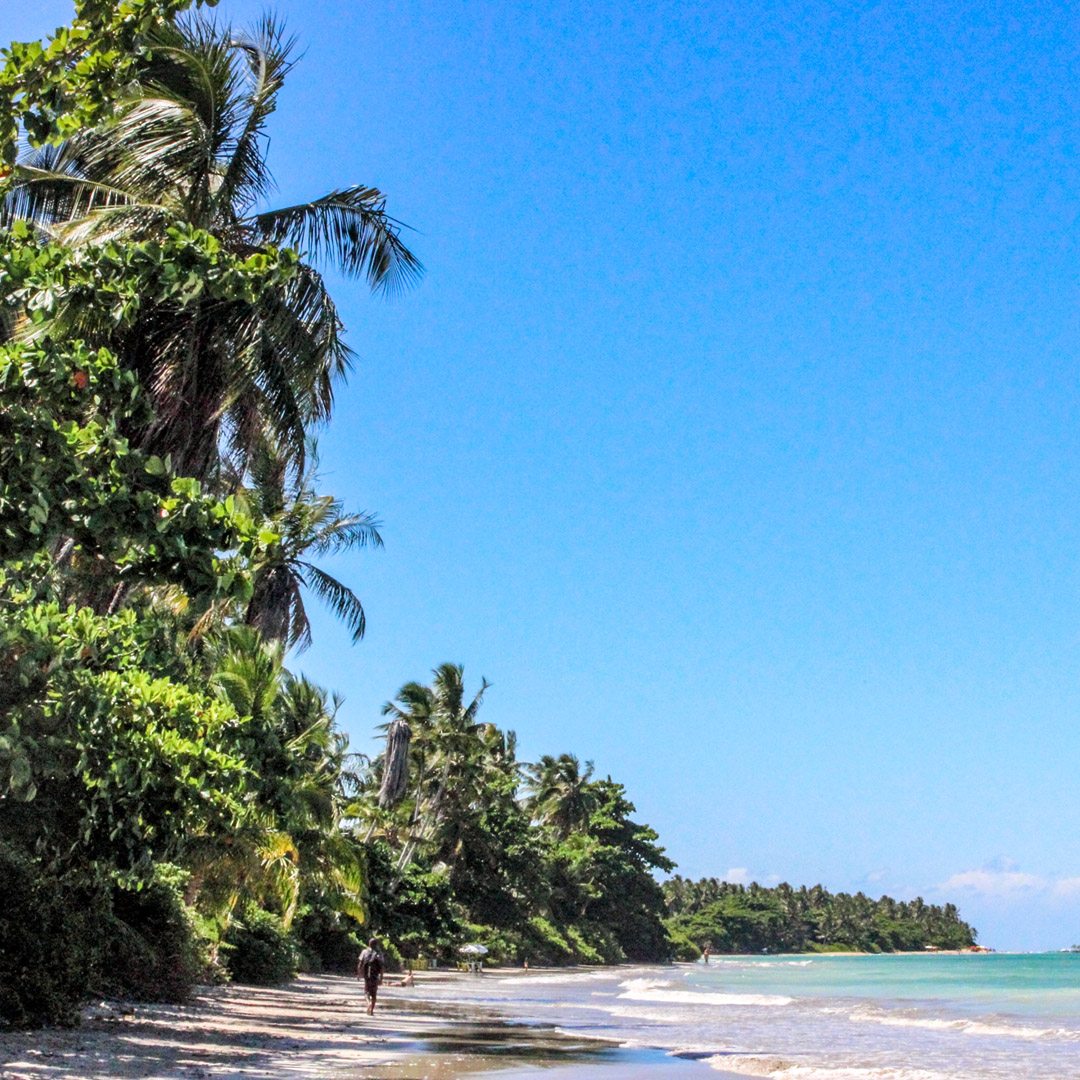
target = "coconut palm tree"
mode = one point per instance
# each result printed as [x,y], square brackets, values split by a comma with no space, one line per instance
[188,148]
[561,794]
[292,837]
[446,747]
[309,526]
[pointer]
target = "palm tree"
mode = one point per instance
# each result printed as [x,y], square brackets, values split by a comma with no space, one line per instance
[447,744]
[309,526]
[292,838]
[188,149]
[561,794]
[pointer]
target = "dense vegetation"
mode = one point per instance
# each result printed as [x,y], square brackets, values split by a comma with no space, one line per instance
[176,802]
[738,918]
[540,862]
[172,798]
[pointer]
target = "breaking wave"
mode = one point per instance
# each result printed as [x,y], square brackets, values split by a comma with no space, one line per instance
[659,992]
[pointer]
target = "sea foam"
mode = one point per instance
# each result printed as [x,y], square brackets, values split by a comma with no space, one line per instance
[660,992]
[965,1027]
[779,1069]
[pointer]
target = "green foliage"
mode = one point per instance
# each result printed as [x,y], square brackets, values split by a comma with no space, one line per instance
[261,952]
[109,284]
[69,935]
[747,919]
[141,725]
[154,950]
[67,472]
[328,940]
[413,909]
[563,875]
[56,88]
[101,761]
[51,928]
[231,350]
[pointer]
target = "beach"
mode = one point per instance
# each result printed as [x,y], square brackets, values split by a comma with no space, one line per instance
[316,1027]
[835,1017]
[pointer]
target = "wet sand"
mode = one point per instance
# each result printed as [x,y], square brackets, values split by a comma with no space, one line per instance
[317,1027]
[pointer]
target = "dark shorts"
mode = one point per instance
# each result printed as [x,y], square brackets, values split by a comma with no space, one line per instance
[371,986]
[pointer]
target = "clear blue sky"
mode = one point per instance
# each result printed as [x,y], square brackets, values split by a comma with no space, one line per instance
[733,433]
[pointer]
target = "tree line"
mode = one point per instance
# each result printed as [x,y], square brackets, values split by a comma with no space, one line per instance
[728,917]
[539,862]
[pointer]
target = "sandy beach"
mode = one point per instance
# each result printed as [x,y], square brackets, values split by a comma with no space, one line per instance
[317,1027]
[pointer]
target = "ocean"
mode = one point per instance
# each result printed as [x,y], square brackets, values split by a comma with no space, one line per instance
[836,1017]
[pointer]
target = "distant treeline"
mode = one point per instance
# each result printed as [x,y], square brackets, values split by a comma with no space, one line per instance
[732,918]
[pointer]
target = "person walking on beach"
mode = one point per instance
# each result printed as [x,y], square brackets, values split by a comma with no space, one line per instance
[370,968]
[706,952]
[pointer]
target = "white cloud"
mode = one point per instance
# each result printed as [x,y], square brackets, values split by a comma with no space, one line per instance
[738,875]
[1067,887]
[994,882]
[1002,879]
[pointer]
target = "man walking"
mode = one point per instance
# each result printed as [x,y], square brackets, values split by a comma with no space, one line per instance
[370,968]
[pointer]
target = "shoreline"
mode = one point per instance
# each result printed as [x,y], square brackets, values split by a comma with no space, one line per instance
[316,1026]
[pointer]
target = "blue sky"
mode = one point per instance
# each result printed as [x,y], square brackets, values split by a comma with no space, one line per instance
[733,431]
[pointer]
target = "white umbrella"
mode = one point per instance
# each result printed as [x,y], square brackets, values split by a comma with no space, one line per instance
[473,950]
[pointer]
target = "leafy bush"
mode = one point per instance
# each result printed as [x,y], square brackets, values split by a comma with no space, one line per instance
[545,944]
[681,945]
[328,941]
[155,951]
[50,942]
[592,947]
[391,957]
[260,951]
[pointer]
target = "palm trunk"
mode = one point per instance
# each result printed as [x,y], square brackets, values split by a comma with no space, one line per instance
[430,820]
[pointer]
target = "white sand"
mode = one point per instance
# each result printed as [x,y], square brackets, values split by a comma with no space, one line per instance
[314,1027]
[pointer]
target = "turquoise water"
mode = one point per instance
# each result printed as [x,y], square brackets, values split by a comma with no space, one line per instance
[911,1017]
[1044,986]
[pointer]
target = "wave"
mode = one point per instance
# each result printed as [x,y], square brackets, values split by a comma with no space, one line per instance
[659,992]
[966,1027]
[645,984]
[779,1069]
[562,979]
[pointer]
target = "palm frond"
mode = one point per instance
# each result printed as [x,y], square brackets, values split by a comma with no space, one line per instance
[351,230]
[267,52]
[47,188]
[341,600]
[343,532]
[302,330]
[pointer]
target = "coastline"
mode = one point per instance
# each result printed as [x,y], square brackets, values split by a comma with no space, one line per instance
[316,1027]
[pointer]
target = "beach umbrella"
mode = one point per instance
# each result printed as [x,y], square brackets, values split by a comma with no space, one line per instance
[395,764]
[473,950]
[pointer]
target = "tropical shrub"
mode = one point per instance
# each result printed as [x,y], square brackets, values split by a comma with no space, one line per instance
[155,950]
[328,940]
[51,928]
[259,950]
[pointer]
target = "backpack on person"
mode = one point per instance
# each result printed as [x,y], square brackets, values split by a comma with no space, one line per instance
[370,965]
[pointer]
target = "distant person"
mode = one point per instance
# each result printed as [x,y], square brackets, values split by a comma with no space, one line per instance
[408,980]
[526,965]
[370,968]
[706,953]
